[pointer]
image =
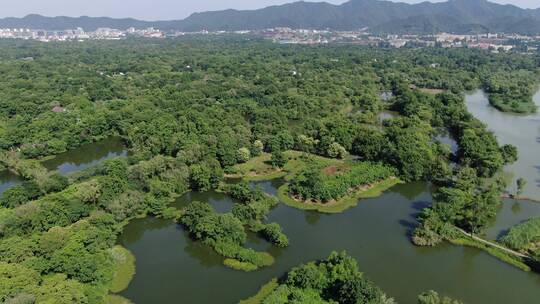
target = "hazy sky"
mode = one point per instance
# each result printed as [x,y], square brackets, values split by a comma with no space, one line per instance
[154,9]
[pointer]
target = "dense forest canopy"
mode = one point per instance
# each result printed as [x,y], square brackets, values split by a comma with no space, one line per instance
[190,110]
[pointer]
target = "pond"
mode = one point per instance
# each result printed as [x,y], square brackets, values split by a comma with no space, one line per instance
[171,268]
[384,115]
[443,136]
[522,131]
[86,156]
[8,180]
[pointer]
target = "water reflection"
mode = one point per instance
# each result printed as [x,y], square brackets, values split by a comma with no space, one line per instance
[512,212]
[443,136]
[384,115]
[219,201]
[86,156]
[203,254]
[8,180]
[312,217]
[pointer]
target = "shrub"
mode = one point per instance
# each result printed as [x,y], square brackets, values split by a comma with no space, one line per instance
[273,233]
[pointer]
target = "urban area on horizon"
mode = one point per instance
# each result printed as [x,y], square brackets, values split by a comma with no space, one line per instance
[496,42]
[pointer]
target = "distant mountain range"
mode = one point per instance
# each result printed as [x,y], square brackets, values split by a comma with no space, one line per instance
[457,16]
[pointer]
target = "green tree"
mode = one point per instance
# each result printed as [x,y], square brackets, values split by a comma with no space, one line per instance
[432,297]
[521,183]
[243,155]
[278,160]
[90,192]
[336,150]
[509,154]
[257,148]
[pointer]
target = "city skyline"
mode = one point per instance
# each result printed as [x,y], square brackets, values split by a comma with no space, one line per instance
[161,9]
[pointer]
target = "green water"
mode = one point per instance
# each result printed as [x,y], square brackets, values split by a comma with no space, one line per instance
[8,180]
[444,137]
[513,212]
[74,160]
[86,156]
[171,268]
[522,131]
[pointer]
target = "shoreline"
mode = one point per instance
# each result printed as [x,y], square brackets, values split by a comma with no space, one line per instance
[341,205]
[520,198]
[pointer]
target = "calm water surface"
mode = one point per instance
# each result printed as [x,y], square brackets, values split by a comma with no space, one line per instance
[8,180]
[513,212]
[444,137]
[74,160]
[522,131]
[171,268]
[86,156]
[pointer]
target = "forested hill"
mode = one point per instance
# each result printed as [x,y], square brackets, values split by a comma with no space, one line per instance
[459,16]
[35,21]
[385,16]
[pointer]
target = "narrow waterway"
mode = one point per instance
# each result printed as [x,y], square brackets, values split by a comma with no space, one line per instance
[86,156]
[522,131]
[171,268]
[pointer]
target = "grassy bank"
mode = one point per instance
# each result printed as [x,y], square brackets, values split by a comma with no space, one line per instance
[263,293]
[340,205]
[125,268]
[259,168]
[266,260]
[116,299]
[498,253]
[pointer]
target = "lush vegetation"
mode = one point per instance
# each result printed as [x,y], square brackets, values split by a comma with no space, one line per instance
[432,297]
[525,238]
[225,233]
[125,268]
[333,280]
[512,91]
[332,183]
[497,252]
[194,109]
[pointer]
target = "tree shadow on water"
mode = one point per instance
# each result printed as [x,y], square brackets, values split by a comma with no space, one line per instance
[420,205]
[409,227]
[205,255]
[411,223]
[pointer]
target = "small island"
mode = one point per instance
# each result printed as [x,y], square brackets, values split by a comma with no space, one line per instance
[336,187]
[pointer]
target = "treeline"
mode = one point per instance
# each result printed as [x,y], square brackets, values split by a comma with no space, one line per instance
[314,183]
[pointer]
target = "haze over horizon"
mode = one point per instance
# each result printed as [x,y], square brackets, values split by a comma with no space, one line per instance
[163,9]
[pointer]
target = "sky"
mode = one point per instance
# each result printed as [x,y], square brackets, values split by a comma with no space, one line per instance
[155,9]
